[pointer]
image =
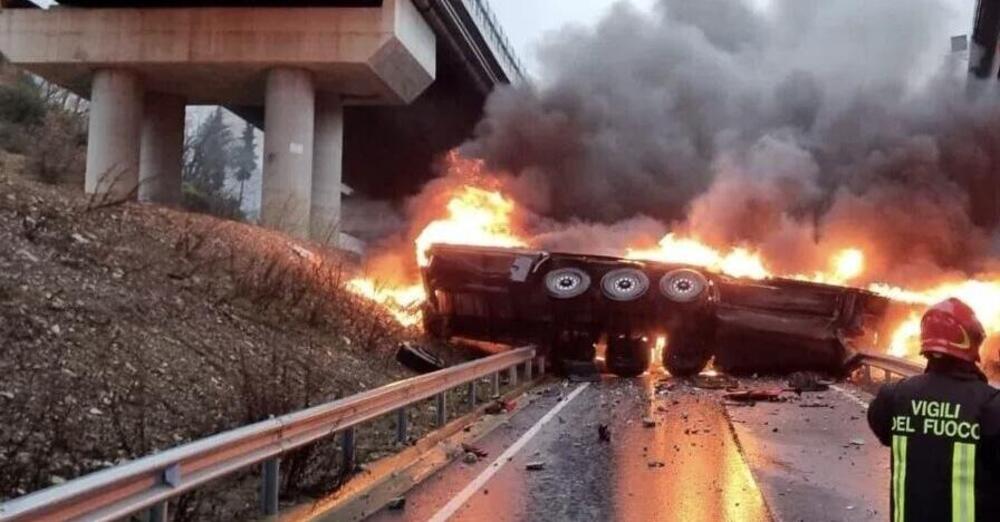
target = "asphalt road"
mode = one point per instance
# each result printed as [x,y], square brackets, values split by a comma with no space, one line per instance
[705,459]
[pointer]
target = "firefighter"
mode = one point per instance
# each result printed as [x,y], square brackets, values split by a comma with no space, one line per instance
[943,426]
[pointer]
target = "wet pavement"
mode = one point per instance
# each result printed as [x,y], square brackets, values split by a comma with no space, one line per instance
[686,467]
[814,457]
[676,453]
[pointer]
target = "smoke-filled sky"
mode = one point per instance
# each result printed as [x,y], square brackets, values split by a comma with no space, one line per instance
[528,22]
[794,127]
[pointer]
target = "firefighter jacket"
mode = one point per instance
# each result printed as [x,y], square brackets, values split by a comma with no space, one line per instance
[944,431]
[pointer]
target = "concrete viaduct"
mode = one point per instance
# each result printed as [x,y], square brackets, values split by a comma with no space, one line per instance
[364,92]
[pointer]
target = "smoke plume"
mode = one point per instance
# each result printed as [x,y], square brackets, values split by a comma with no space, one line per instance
[809,126]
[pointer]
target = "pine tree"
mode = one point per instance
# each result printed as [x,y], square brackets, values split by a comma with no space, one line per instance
[246,158]
[208,158]
[209,155]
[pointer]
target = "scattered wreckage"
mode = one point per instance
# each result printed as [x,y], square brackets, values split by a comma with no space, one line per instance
[569,304]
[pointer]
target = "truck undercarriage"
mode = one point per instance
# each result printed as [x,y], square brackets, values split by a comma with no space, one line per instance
[570,304]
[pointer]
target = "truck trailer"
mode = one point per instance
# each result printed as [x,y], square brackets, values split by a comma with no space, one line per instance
[571,304]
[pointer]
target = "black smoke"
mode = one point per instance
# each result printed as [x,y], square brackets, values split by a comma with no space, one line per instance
[804,127]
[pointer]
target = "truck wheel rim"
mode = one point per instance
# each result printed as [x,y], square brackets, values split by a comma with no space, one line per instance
[624,284]
[566,283]
[683,286]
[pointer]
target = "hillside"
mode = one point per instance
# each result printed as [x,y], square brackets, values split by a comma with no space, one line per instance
[127,328]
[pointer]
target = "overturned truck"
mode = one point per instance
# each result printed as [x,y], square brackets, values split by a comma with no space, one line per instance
[570,304]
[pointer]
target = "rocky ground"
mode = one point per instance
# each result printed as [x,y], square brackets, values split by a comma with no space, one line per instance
[126,328]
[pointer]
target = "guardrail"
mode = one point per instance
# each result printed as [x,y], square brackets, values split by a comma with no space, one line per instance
[889,365]
[150,482]
[494,33]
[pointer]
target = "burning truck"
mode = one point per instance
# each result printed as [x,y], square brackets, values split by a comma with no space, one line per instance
[571,304]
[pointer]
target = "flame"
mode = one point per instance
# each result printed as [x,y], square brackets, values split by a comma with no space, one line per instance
[479,216]
[737,262]
[476,217]
[905,337]
[982,296]
[402,302]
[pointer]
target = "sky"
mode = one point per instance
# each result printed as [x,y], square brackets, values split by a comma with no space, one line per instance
[527,22]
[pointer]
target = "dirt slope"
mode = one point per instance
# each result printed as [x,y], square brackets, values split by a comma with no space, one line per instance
[127,328]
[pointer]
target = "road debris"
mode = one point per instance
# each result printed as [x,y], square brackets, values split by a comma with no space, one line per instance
[500,406]
[478,452]
[603,433]
[397,504]
[800,382]
[417,358]
[470,458]
[751,396]
[535,466]
[714,382]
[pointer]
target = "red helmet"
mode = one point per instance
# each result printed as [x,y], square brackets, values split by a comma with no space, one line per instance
[951,328]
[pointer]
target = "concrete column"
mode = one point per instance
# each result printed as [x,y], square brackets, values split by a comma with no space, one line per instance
[328,153]
[289,122]
[115,126]
[162,149]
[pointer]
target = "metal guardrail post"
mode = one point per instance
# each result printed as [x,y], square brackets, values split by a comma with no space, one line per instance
[472,395]
[541,365]
[496,384]
[442,409]
[349,449]
[270,474]
[401,422]
[868,374]
[158,513]
[513,375]
[527,370]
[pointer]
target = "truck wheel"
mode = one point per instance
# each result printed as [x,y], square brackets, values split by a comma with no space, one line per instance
[685,356]
[628,356]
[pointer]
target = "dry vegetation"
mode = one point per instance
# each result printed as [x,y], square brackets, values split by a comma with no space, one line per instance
[125,329]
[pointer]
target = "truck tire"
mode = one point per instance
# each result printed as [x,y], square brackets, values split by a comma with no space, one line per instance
[686,355]
[628,356]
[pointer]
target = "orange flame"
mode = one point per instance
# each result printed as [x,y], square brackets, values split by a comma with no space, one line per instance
[737,262]
[476,217]
[402,302]
[483,217]
[981,296]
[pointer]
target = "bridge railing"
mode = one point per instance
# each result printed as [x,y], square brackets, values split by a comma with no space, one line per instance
[483,14]
[150,482]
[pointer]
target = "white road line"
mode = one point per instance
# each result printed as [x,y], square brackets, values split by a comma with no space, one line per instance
[853,398]
[463,496]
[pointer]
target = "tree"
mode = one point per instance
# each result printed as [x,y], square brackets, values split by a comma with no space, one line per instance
[246,157]
[208,156]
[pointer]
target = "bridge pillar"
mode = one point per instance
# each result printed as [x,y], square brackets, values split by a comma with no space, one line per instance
[289,122]
[116,109]
[162,149]
[328,155]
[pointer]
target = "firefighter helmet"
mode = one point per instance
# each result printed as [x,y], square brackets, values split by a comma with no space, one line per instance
[951,328]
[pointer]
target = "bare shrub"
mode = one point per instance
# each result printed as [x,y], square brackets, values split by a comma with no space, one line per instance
[58,151]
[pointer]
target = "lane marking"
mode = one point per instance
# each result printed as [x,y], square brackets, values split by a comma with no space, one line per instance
[463,496]
[853,398]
